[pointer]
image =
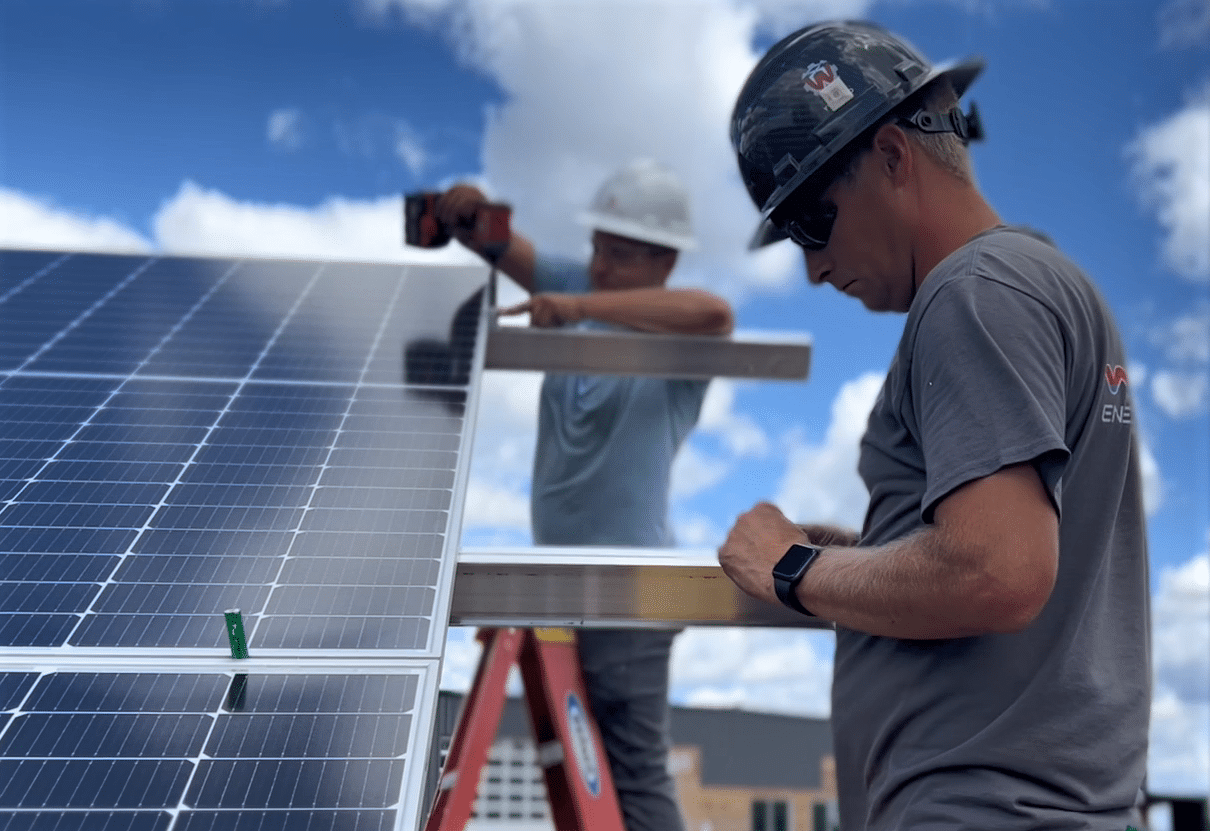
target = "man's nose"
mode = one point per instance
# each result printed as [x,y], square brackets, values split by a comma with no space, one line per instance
[817,265]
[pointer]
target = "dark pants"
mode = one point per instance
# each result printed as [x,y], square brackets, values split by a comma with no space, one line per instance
[626,675]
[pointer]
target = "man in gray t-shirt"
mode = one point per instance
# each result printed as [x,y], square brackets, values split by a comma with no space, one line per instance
[606,444]
[992,628]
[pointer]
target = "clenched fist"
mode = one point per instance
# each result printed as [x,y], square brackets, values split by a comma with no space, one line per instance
[755,543]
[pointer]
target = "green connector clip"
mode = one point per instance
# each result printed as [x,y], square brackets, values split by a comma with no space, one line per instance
[235,632]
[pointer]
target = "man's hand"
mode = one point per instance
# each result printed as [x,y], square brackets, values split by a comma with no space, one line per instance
[456,209]
[831,535]
[756,542]
[549,309]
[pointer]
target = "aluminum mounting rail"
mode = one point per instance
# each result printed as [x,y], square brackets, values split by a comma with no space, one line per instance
[784,357]
[615,587]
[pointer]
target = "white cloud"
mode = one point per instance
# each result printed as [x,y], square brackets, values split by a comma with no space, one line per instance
[208,222]
[1182,389]
[698,467]
[459,658]
[1172,168]
[494,506]
[1181,394]
[739,433]
[1187,339]
[821,482]
[502,458]
[696,531]
[1153,480]
[694,471]
[774,670]
[29,222]
[285,128]
[1180,719]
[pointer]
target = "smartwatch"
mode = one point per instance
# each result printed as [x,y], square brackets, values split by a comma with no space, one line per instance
[789,571]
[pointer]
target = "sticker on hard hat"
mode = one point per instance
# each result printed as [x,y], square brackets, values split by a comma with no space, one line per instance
[823,79]
[582,746]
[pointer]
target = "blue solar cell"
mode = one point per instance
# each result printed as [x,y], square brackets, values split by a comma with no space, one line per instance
[19,266]
[383,571]
[304,735]
[127,630]
[92,783]
[136,692]
[115,471]
[31,319]
[179,599]
[90,821]
[30,447]
[24,597]
[235,544]
[232,493]
[302,820]
[261,518]
[36,629]
[303,631]
[214,569]
[78,515]
[13,688]
[295,783]
[65,540]
[106,735]
[41,568]
[94,493]
[339,547]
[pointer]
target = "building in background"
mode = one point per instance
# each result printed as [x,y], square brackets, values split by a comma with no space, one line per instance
[735,771]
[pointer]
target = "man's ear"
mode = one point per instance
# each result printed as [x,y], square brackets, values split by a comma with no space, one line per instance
[894,151]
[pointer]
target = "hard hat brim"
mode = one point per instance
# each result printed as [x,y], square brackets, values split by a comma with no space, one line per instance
[766,234]
[634,230]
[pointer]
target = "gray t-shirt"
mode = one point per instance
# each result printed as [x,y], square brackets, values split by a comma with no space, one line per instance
[1008,355]
[605,445]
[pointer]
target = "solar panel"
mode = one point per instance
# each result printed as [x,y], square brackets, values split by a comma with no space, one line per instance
[184,436]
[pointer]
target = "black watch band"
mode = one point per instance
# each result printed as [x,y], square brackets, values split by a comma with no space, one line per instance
[788,573]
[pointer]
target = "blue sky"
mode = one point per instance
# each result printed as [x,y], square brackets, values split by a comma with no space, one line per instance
[288,128]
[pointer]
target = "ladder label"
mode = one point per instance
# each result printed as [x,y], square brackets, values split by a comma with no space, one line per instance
[582,745]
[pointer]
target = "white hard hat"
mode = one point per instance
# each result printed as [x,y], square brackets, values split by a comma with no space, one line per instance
[643,201]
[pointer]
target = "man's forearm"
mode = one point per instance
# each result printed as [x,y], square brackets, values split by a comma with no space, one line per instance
[919,587]
[660,310]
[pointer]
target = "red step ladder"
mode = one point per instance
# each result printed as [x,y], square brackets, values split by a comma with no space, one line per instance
[578,784]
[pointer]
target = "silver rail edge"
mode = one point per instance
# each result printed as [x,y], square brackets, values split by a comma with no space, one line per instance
[606,587]
[765,355]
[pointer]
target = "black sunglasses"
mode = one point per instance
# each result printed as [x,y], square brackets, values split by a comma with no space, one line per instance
[811,228]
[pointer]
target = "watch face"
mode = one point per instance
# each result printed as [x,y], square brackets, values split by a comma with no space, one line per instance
[794,562]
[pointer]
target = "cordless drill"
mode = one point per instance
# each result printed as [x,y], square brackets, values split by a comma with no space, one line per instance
[489,227]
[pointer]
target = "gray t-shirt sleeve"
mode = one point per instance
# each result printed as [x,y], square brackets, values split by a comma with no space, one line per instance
[988,377]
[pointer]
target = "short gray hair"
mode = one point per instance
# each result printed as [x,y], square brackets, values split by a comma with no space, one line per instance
[946,149]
